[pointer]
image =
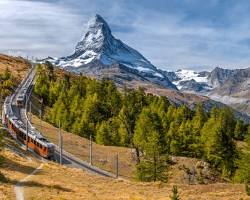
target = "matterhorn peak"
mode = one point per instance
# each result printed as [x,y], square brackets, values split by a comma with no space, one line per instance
[100,45]
[100,48]
[97,38]
[98,23]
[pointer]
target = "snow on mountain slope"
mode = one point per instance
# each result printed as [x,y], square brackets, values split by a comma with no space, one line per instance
[189,76]
[99,44]
[186,75]
[99,50]
[231,87]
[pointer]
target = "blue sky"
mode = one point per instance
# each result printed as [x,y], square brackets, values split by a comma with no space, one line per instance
[172,34]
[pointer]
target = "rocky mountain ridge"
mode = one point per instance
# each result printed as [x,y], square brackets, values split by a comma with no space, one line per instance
[228,86]
[99,49]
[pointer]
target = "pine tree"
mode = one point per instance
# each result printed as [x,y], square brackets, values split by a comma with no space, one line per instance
[175,193]
[147,139]
[243,171]
[107,133]
[102,134]
[239,130]
[172,139]
[217,139]
[199,119]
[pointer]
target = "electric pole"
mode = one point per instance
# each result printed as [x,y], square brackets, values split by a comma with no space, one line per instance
[90,149]
[1,111]
[60,143]
[117,165]
[40,116]
[27,130]
[40,113]
[30,113]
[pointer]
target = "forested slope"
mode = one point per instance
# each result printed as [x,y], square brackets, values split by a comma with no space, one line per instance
[148,123]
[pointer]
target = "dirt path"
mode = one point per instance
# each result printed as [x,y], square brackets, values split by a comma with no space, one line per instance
[19,186]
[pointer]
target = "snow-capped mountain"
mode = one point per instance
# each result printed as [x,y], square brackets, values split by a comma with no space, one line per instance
[99,50]
[231,87]
[191,81]
[101,55]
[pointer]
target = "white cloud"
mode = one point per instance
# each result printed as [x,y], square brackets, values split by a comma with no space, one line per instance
[167,39]
[37,28]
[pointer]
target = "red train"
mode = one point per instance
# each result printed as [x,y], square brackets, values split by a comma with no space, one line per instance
[31,138]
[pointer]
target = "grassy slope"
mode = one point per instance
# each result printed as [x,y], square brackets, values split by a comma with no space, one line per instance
[93,187]
[18,66]
[103,156]
[15,166]
[58,182]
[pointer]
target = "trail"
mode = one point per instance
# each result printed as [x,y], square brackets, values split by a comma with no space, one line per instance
[19,186]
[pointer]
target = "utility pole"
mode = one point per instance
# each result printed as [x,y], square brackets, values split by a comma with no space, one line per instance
[90,149]
[27,130]
[40,116]
[117,165]
[60,143]
[40,113]
[1,111]
[30,113]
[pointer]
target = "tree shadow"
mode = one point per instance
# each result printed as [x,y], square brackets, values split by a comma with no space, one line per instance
[36,184]
[4,180]
[14,166]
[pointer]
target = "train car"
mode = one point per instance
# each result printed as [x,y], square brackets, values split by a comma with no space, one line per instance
[20,101]
[40,145]
[33,139]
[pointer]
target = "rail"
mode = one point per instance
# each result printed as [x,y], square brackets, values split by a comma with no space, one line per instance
[74,161]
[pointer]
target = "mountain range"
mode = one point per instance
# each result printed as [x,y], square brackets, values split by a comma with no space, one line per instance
[231,87]
[100,54]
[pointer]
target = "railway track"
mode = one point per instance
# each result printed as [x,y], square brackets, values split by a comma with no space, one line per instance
[21,113]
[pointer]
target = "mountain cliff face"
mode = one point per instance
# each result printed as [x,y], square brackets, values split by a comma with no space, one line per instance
[218,76]
[234,89]
[100,54]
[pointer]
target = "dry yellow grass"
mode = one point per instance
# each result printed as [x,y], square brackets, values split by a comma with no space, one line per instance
[14,168]
[75,184]
[18,66]
[58,182]
[103,156]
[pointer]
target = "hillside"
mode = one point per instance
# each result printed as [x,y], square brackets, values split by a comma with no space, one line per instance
[52,182]
[17,65]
